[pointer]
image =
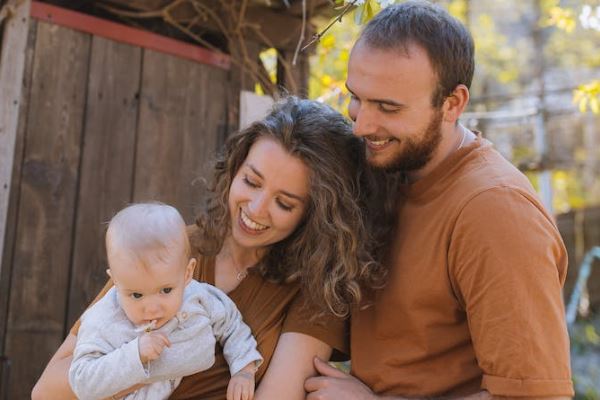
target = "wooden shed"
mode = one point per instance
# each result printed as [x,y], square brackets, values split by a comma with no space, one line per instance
[95,114]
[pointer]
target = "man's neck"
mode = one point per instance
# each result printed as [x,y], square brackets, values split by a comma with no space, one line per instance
[452,139]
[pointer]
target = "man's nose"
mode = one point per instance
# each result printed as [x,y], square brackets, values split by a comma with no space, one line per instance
[364,123]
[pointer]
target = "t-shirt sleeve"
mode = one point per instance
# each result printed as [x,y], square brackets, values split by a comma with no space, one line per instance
[507,266]
[328,328]
[105,289]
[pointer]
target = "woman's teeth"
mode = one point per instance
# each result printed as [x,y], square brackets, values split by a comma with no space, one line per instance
[251,224]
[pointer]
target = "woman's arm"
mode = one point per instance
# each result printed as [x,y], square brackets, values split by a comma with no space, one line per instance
[291,365]
[54,382]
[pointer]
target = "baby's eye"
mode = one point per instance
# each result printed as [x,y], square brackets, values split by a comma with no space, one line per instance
[166,290]
[136,296]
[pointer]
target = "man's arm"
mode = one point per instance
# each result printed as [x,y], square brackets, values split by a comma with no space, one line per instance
[334,384]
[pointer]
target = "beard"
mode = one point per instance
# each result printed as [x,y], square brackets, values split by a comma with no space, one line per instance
[416,153]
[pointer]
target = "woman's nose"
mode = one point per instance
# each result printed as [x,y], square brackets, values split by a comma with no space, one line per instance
[258,205]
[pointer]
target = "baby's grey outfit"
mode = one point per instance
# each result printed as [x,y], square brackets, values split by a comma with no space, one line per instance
[106,359]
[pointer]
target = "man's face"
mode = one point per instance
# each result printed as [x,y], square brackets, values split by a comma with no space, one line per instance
[391,106]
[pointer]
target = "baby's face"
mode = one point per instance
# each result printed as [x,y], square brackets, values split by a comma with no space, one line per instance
[150,288]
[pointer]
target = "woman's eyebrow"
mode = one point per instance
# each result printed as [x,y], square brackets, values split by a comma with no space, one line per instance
[284,192]
[255,170]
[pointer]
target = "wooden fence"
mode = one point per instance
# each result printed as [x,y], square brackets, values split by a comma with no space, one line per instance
[101,124]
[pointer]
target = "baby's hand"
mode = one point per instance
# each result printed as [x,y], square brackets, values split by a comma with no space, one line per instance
[241,385]
[151,345]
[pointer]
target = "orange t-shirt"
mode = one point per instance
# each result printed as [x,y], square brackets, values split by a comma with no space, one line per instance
[269,309]
[474,297]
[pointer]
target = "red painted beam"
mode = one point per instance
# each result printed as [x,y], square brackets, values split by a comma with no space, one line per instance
[126,34]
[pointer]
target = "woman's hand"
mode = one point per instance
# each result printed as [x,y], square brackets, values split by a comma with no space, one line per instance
[241,385]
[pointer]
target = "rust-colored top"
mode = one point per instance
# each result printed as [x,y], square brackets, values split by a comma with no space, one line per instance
[474,298]
[269,309]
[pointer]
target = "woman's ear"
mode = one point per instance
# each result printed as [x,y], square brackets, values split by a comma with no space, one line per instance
[189,270]
[455,104]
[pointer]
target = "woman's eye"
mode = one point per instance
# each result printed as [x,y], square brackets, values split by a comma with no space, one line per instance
[250,182]
[166,290]
[284,206]
[137,296]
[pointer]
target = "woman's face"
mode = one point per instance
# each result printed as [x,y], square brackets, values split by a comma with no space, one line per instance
[268,195]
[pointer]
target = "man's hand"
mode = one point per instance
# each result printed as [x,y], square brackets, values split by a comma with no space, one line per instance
[334,384]
[241,385]
[151,345]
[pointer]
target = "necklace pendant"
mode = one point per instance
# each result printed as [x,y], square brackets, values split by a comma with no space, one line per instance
[241,275]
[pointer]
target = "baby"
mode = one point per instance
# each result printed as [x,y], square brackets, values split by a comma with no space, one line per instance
[157,324]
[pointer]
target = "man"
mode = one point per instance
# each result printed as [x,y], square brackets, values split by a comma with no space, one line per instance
[472,307]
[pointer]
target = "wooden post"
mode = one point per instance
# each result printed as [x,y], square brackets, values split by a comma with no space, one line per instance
[12,64]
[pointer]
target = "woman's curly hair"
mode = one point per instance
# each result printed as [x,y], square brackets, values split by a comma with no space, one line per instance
[330,250]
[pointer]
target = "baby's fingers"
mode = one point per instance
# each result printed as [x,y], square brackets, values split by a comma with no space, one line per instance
[230,391]
[237,391]
[161,338]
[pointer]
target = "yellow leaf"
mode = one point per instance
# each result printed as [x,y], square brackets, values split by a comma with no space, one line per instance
[595,105]
[583,104]
[326,80]
[328,41]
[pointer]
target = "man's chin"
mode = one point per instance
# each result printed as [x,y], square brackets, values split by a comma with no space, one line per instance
[383,164]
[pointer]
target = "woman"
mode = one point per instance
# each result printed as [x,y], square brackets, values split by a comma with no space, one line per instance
[282,234]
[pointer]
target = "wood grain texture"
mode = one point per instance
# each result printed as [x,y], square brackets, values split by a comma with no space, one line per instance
[12,65]
[182,113]
[39,283]
[15,183]
[106,174]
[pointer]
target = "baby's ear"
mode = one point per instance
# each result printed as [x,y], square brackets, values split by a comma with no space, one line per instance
[189,270]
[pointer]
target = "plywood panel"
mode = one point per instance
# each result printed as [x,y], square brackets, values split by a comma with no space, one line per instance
[182,115]
[15,183]
[40,276]
[12,64]
[106,174]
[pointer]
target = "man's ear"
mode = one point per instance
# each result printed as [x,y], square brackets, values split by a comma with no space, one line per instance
[189,270]
[455,104]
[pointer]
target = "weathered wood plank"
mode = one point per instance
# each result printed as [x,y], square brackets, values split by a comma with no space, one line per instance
[15,183]
[107,161]
[12,65]
[182,113]
[39,283]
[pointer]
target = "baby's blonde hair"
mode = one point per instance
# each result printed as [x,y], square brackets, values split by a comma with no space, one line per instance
[144,227]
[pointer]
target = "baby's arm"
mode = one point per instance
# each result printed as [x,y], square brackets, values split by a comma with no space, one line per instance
[239,346]
[241,385]
[97,372]
[106,359]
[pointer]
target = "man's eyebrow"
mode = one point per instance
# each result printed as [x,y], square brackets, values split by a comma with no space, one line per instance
[378,101]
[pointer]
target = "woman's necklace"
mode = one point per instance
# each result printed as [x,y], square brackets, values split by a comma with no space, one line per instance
[241,273]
